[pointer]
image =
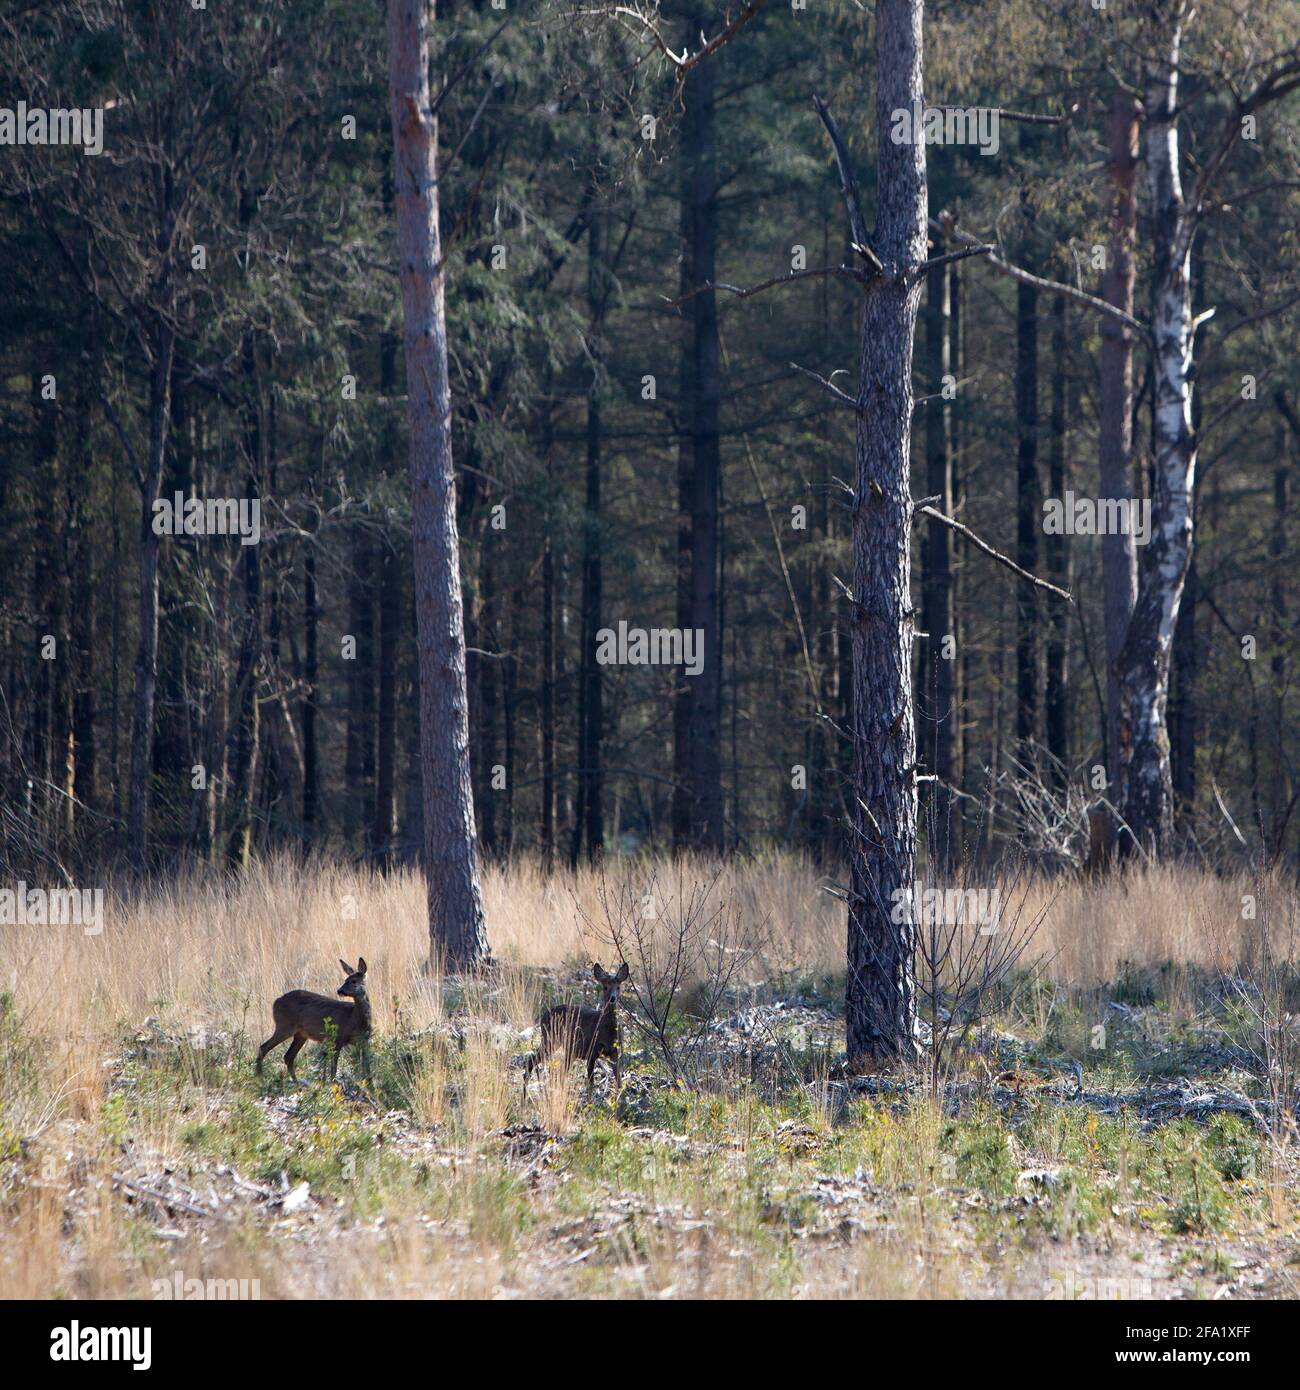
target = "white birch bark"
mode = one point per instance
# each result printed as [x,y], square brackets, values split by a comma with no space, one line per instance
[1144,661]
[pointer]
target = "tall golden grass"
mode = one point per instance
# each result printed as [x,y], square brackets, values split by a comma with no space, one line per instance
[215,954]
[212,955]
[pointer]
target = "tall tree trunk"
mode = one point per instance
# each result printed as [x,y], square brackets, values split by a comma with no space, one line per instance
[311,682]
[43,605]
[489,669]
[84,621]
[1058,558]
[384,833]
[880,999]
[85,638]
[547,730]
[966,660]
[245,707]
[701,389]
[1144,661]
[146,653]
[1115,417]
[359,737]
[938,617]
[510,704]
[457,930]
[590,819]
[390,620]
[218,761]
[1182,697]
[1280,789]
[1028,520]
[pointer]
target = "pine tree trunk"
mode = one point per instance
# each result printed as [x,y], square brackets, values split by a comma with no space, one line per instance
[1280,788]
[966,660]
[547,730]
[1056,710]
[457,931]
[1028,519]
[938,618]
[701,390]
[390,620]
[590,819]
[245,707]
[384,832]
[311,680]
[359,738]
[1115,416]
[146,655]
[880,998]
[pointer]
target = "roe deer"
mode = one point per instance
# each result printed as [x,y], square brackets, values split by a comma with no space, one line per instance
[300,1015]
[585,1033]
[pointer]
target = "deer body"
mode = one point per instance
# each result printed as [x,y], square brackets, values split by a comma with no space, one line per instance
[302,1015]
[583,1032]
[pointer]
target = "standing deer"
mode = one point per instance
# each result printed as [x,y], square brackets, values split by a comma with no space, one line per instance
[583,1032]
[300,1015]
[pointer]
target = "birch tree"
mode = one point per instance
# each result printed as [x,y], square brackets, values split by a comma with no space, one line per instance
[1143,663]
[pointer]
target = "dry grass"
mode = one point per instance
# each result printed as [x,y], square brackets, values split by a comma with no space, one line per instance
[210,958]
[217,954]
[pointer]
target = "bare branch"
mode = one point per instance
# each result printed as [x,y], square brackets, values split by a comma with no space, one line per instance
[1284,78]
[469,62]
[684,62]
[946,225]
[1267,312]
[994,554]
[841,397]
[857,223]
[986,249]
[846,271]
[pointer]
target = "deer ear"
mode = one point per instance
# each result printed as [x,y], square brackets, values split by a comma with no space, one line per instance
[361,965]
[622,972]
[600,975]
[347,969]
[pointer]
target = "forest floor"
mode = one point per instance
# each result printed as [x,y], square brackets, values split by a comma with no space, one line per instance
[150,1154]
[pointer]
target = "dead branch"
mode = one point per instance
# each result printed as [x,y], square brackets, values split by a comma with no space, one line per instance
[995,554]
[789,279]
[840,397]
[857,223]
[946,226]
[684,62]
[977,249]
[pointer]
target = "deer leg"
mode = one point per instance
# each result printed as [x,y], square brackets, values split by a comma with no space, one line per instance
[294,1048]
[334,1061]
[530,1065]
[591,1073]
[273,1041]
[618,1075]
